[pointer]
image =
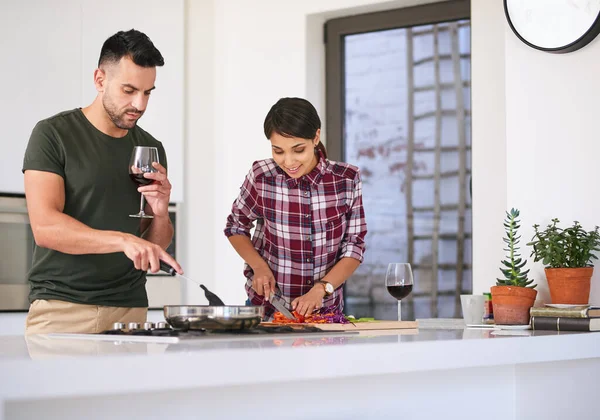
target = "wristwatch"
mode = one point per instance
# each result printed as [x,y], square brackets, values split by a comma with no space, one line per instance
[328,287]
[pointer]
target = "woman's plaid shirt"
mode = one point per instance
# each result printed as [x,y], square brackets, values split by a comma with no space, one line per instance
[303,226]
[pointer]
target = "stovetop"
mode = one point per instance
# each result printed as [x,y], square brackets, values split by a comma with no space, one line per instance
[166,334]
[170,332]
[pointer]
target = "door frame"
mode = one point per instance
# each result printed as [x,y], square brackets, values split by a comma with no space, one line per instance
[336,29]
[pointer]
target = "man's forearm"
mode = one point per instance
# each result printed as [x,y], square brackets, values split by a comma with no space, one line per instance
[160,231]
[65,234]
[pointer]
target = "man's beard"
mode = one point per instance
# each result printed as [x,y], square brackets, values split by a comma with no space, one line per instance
[119,119]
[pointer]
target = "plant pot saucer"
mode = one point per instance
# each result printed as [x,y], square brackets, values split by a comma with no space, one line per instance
[512,327]
[565,305]
[484,326]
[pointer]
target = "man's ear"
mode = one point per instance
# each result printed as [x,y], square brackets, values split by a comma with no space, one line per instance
[100,80]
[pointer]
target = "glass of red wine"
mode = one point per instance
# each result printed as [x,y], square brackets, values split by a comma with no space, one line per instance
[399,282]
[140,163]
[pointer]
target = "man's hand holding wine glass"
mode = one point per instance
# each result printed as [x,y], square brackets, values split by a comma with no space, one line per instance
[158,193]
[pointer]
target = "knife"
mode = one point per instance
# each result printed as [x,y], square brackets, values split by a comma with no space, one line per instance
[281,307]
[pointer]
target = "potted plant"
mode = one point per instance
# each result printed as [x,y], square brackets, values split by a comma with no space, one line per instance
[567,255]
[513,295]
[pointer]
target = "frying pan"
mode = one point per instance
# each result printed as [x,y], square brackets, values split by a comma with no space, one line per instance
[215,316]
[198,317]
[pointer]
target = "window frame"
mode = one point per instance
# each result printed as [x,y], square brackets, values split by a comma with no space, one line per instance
[336,29]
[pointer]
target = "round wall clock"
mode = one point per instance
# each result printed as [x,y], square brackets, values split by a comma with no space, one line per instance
[555,26]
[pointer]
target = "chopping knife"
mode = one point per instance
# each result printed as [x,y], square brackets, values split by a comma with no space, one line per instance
[280,306]
[213,300]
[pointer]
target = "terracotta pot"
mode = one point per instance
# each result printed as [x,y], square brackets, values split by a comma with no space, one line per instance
[569,285]
[511,304]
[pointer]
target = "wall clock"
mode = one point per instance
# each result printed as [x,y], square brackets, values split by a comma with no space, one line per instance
[555,26]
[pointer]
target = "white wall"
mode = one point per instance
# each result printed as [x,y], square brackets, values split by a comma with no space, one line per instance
[552,137]
[543,160]
[488,133]
[33,53]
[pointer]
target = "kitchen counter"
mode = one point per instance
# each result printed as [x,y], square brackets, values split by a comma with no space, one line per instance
[442,369]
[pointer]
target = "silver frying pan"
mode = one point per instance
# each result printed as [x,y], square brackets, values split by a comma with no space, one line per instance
[215,316]
[197,317]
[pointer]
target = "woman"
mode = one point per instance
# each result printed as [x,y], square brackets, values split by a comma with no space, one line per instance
[311,227]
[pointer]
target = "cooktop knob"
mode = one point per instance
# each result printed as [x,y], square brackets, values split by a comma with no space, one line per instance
[133,326]
[162,325]
[148,325]
[118,326]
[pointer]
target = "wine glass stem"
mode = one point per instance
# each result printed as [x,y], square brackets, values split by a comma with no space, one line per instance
[399,311]
[142,204]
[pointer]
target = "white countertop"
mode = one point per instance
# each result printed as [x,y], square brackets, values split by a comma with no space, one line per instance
[35,365]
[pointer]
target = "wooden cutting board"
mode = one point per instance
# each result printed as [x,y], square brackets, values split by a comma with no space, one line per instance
[358,326]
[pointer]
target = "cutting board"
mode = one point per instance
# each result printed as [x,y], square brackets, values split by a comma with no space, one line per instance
[358,326]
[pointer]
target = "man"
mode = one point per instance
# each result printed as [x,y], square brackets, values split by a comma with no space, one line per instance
[90,258]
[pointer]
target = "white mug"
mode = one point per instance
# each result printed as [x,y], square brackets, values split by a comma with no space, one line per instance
[472,308]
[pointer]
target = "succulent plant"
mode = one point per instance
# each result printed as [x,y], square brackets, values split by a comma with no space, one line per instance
[513,265]
[573,247]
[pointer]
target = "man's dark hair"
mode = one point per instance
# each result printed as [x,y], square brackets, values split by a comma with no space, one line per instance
[133,44]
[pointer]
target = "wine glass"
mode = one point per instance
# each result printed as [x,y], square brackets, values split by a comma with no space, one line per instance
[140,163]
[399,282]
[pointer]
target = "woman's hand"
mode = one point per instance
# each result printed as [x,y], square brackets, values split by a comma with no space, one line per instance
[310,302]
[263,281]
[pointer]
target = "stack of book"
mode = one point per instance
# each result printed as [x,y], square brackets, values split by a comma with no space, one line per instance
[574,318]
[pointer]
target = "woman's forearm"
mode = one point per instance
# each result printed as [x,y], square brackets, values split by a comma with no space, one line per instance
[341,271]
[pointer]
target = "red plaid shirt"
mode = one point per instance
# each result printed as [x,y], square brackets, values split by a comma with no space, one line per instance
[303,226]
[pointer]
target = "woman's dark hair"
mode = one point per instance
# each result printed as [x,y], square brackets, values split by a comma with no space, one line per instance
[294,117]
[133,44]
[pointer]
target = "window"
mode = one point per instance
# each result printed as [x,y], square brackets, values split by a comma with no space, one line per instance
[398,107]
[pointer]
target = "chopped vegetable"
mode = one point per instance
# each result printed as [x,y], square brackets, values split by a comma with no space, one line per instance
[361,319]
[324,316]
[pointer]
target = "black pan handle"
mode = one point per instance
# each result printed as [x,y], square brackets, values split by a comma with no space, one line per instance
[167,268]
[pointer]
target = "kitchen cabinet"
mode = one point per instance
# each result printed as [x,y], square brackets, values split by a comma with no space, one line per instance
[12,323]
[49,53]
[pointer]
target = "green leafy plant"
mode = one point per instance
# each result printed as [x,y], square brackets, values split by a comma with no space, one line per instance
[512,266]
[572,247]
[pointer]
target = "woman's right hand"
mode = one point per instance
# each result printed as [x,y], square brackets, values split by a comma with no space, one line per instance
[263,281]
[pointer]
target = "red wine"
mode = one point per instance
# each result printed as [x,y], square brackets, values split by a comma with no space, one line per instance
[400,292]
[140,180]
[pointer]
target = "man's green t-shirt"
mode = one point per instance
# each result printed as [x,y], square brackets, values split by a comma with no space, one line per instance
[98,193]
